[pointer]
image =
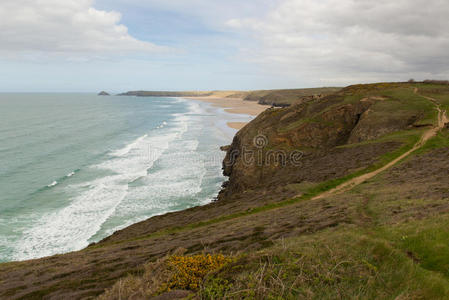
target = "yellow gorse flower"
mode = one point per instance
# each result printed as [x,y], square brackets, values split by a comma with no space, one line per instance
[189,271]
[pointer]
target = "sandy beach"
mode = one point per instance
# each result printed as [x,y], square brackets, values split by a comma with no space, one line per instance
[235,106]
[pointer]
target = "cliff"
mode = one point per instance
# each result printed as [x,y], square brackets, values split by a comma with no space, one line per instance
[284,98]
[343,196]
[326,132]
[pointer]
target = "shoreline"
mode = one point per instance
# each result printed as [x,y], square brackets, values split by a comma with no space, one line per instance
[234,106]
[242,110]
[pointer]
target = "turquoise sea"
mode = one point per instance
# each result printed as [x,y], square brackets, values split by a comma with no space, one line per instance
[74,168]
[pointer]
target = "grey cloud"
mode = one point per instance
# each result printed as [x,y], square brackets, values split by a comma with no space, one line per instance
[350,38]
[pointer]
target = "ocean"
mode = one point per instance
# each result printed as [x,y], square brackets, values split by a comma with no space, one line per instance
[74,168]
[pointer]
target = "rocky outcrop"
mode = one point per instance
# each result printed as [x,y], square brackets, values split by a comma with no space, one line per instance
[276,100]
[297,144]
[375,123]
[103,93]
[274,140]
[285,98]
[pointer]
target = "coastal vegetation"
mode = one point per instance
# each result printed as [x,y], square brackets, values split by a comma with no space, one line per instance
[284,98]
[363,216]
[171,274]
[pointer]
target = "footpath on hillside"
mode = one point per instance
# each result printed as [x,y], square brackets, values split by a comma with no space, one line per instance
[350,184]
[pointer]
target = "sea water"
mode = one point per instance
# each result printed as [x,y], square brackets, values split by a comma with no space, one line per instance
[74,168]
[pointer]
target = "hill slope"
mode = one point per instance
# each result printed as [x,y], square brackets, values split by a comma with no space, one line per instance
[280,98]
[284,98]
[290,225]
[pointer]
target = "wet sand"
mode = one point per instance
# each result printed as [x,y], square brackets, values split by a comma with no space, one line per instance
[235,106]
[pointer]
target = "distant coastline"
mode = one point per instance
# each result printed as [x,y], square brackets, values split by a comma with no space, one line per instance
[277,98]
[232,101]
[244,102]
[183,93]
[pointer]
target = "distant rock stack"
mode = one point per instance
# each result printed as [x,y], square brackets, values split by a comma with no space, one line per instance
[103,93]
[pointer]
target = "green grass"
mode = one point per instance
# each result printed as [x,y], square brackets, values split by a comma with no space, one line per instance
[298,123]
[400,100]
[342,263]
[439,92]
[308,194]
[427,241]
[406,259]
[403,136]
[441,98]
[407,100]
[412,102]
[352,99]
[289,96]
[441,140]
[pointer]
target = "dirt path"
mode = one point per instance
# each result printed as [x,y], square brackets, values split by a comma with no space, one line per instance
[442,120]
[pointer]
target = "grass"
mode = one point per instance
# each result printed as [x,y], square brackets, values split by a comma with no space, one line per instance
[369,260]
[400,102]
[395,262]
[298,123]
[287,97]
[173,272]
[343,263]
[409,261]
[407,100]
[438,92]
[308,194]
[403,137]
[441,140]
[426,241]
[398,261]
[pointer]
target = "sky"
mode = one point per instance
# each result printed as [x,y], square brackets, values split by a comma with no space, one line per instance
[122,45]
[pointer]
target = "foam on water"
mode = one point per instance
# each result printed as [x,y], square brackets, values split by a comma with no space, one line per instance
[128,148]
[178,175]
[164,170]
[52,184]
[60,180]
[71,228]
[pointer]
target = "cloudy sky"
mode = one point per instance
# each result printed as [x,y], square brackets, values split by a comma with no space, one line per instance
[120,45]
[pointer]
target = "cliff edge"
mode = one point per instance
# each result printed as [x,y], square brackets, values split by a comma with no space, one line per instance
[281,227]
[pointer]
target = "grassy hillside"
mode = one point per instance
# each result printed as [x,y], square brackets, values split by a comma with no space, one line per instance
[281,231]
[283,98]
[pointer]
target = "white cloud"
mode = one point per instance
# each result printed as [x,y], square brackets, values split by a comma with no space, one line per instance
[72,29]
[341,40]
[212,14]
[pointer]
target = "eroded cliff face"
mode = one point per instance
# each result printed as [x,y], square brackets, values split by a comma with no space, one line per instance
[374,122]
[357,121]
[297,144]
